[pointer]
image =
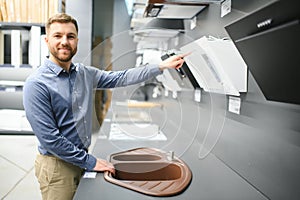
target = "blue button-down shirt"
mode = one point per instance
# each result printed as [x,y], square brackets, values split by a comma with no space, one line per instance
[58,105]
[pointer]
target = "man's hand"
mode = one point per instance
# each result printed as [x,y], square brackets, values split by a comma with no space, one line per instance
[103,165]
[173,62]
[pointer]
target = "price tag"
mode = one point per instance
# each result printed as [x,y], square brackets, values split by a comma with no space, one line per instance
[234,105]
[197,95]
[89,175]
[225,7]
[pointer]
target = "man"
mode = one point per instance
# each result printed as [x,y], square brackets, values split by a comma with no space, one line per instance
[58,105]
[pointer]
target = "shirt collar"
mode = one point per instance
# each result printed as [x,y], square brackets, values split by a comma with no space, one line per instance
[57,69]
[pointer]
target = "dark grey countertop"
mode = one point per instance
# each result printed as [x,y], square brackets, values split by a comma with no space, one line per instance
[211,178]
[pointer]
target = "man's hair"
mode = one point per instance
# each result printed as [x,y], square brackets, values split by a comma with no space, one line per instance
[61,18]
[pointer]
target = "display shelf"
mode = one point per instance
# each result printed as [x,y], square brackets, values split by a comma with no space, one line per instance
[20,26]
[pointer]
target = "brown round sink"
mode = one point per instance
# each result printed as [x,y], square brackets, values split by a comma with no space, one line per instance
[149,171]
[136,157]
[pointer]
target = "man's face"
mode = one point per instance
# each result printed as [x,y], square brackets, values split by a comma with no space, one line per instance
[62,41]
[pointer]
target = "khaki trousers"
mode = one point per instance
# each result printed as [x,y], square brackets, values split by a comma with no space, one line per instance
[58,179]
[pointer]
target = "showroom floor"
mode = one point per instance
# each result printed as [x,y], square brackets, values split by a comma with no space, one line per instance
[17,155]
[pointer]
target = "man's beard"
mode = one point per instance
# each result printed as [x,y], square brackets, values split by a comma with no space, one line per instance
[63,58]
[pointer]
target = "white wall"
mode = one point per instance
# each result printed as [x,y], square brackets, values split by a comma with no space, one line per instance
[82,11]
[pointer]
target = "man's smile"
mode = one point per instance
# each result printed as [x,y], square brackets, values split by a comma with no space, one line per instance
[64,49]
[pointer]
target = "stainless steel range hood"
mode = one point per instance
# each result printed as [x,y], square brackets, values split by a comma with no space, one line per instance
[184,2]
[172,11]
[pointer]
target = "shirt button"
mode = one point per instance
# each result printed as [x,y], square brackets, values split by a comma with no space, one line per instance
[79,107]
